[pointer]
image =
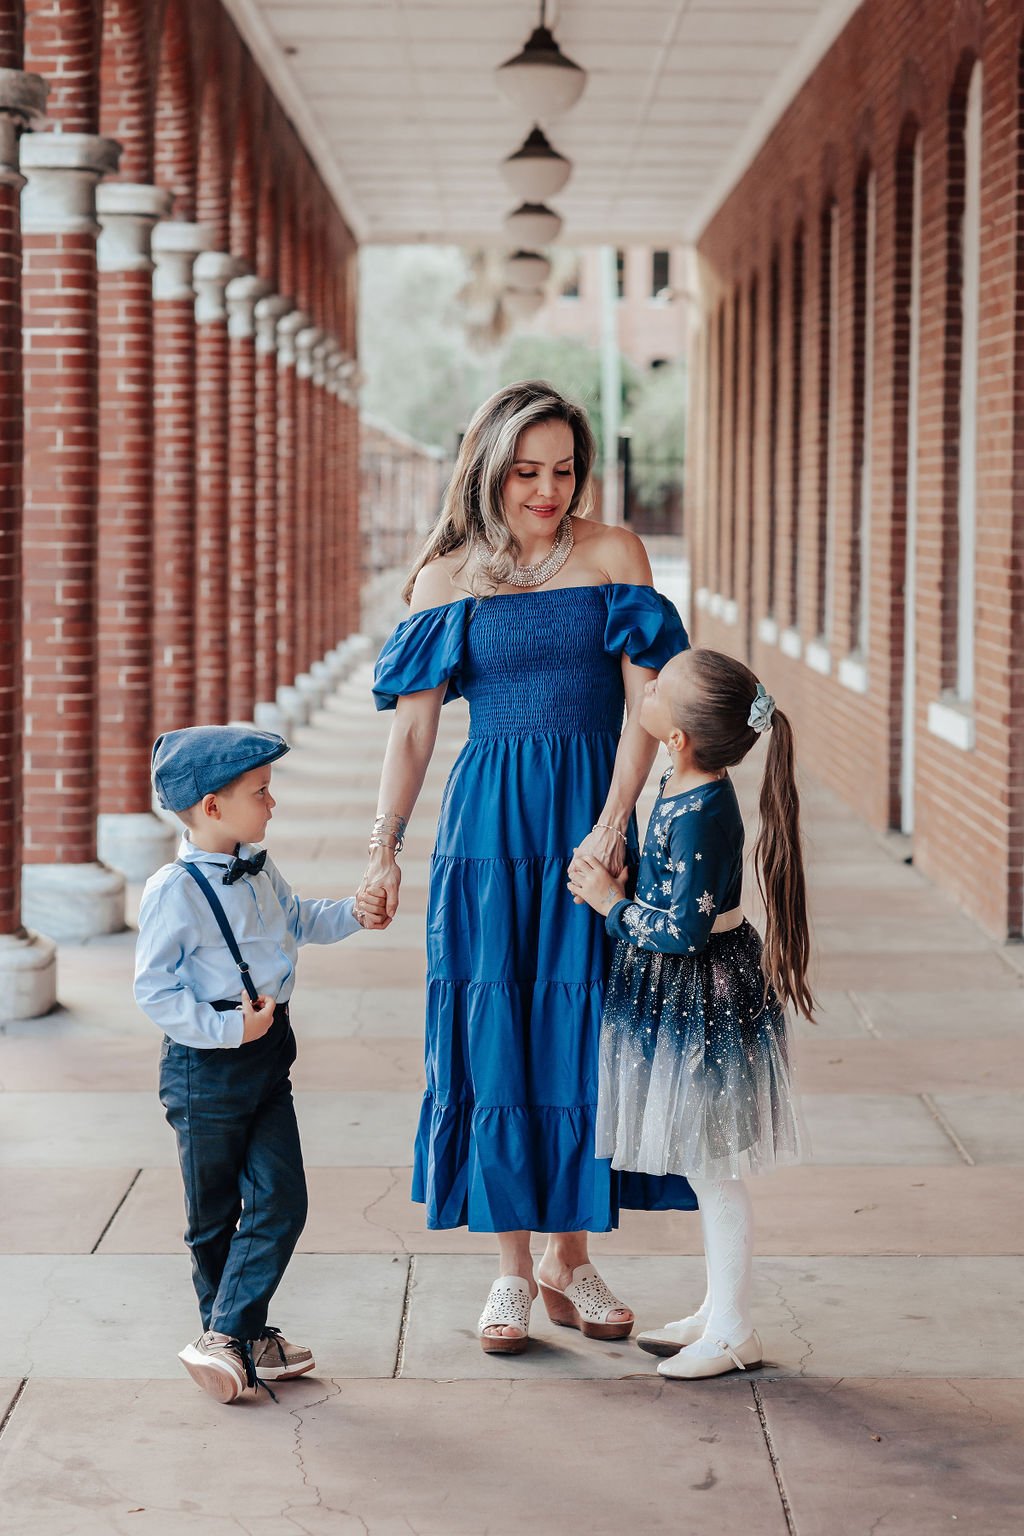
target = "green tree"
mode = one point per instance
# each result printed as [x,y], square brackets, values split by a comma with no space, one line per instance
[571,366]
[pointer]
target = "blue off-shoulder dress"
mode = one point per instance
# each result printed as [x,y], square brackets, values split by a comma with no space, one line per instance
[515,970]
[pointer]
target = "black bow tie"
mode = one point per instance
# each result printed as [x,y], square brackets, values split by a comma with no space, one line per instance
[239,867]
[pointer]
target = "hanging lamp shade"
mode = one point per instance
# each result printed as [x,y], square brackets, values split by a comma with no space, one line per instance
[536,171]
[533,224]
[521,303]
[527,269]
[541,80]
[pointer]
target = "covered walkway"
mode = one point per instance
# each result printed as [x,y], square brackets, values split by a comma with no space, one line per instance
[887,1277]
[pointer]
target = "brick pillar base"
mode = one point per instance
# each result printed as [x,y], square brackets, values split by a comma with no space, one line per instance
[28,963]
[65,890]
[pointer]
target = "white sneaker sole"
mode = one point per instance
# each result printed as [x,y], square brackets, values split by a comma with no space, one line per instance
[285,1372]
[216,1377]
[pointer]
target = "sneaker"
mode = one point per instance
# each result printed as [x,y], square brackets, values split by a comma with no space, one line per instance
[277,1360]
[217,1363]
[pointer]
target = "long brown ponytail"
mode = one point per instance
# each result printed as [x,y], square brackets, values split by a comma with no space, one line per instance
[779,863]
[716,719]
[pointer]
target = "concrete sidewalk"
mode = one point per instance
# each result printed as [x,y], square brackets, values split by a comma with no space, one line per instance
[888,1280]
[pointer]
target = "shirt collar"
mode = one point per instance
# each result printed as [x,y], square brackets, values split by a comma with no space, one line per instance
[193,855]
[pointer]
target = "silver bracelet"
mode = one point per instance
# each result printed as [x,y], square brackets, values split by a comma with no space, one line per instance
[605,826]
[389,825]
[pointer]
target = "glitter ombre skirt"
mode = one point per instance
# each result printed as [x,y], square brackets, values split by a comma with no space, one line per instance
[695,1075]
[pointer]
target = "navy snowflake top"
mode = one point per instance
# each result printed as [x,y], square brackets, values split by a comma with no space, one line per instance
[691,870]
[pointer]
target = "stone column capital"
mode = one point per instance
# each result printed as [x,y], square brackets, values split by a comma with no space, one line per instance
[305,341]
[127,213]
[288,329]
[212,272]
[62,170]
[22,106]
[241,297]
[321,353]
[175,245]
[269,313]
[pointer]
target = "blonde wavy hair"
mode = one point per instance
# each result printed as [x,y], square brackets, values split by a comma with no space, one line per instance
[472,515]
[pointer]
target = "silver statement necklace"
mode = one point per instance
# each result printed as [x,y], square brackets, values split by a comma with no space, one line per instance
[536,575]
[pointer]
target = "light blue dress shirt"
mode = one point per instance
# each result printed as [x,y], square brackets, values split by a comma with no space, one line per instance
[182,964]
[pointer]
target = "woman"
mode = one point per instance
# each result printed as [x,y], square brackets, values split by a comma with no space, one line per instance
[547,624]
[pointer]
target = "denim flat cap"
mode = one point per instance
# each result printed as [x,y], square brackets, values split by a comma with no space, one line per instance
[201,759]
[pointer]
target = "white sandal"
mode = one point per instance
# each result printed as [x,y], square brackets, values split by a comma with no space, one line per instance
[586,1304]
[508,1306]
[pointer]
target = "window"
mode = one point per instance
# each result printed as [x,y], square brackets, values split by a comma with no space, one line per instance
[863,364]
[774,286]
[620,274]
[828,349]
[659,272]
[796,427]
[719,517]
[752,439]
[970,252]
[734,420]
[906,316]
[571,285]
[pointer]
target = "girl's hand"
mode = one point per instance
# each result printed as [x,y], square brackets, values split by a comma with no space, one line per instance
[592,882]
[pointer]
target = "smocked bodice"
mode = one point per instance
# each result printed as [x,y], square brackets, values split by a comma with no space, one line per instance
[536,663]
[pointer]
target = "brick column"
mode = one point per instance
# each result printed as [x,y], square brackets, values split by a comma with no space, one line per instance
[306,487]
[293,704]
[66,890]
[270,311]
[334,509]
[212,272]
[28,962]
[175,248]
[130,836]
[247,600]
[321,513]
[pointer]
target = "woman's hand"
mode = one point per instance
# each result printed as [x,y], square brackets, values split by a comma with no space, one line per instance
[382,876]
[592,882]
[608,848]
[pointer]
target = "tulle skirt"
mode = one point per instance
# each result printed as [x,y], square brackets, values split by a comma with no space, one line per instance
[694,1063]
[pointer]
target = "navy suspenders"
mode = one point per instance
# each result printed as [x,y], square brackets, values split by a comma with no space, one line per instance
[223,924]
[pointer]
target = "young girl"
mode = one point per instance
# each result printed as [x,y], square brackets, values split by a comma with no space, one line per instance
[694,1058]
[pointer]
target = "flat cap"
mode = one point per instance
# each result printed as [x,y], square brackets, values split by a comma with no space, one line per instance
[201,759]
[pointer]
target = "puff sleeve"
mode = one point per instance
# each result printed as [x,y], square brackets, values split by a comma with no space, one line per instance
[644,625]
[424,651]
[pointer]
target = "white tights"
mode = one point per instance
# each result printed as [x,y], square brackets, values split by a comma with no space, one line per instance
[727,1225]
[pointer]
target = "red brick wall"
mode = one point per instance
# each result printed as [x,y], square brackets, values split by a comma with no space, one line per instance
[895,66]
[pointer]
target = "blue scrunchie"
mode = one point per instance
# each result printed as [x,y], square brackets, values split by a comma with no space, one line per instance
[761,711]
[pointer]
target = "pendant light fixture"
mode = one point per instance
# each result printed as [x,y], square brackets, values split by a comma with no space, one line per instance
[527,269]
[536,171]
[541,80]
[533,224]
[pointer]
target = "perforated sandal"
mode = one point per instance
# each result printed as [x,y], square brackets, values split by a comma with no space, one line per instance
[508,1306]
[585,1304]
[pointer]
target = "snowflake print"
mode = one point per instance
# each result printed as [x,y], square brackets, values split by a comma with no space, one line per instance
[666,887]
[698,857]
[681,867]
[706,903]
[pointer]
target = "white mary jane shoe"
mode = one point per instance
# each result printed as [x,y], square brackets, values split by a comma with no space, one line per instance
[508,1306]
[688,1365]
[670,1339]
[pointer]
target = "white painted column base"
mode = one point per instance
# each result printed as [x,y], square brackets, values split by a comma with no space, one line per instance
[321,673]
[28,975]
[72,901]
[293,705]
[311,689]
[271,717]
[136,843]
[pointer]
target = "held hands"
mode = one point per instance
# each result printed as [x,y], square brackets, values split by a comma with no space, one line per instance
[371,907]
[257,1017]
[592,882]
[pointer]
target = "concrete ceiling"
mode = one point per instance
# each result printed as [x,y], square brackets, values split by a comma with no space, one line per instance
[397,102]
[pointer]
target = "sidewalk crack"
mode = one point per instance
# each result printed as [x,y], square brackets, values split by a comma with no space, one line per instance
[787,1511]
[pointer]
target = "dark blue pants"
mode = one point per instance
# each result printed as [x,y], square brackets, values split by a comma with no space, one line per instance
[245,1190]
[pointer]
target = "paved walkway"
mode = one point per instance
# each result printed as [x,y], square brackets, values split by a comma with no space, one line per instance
[888,1281]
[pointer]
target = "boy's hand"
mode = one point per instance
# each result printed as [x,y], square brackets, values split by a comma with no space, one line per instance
[371,908]
[256,1017]
[591,882]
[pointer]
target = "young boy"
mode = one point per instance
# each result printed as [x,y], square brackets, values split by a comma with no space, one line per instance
[228,1048]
